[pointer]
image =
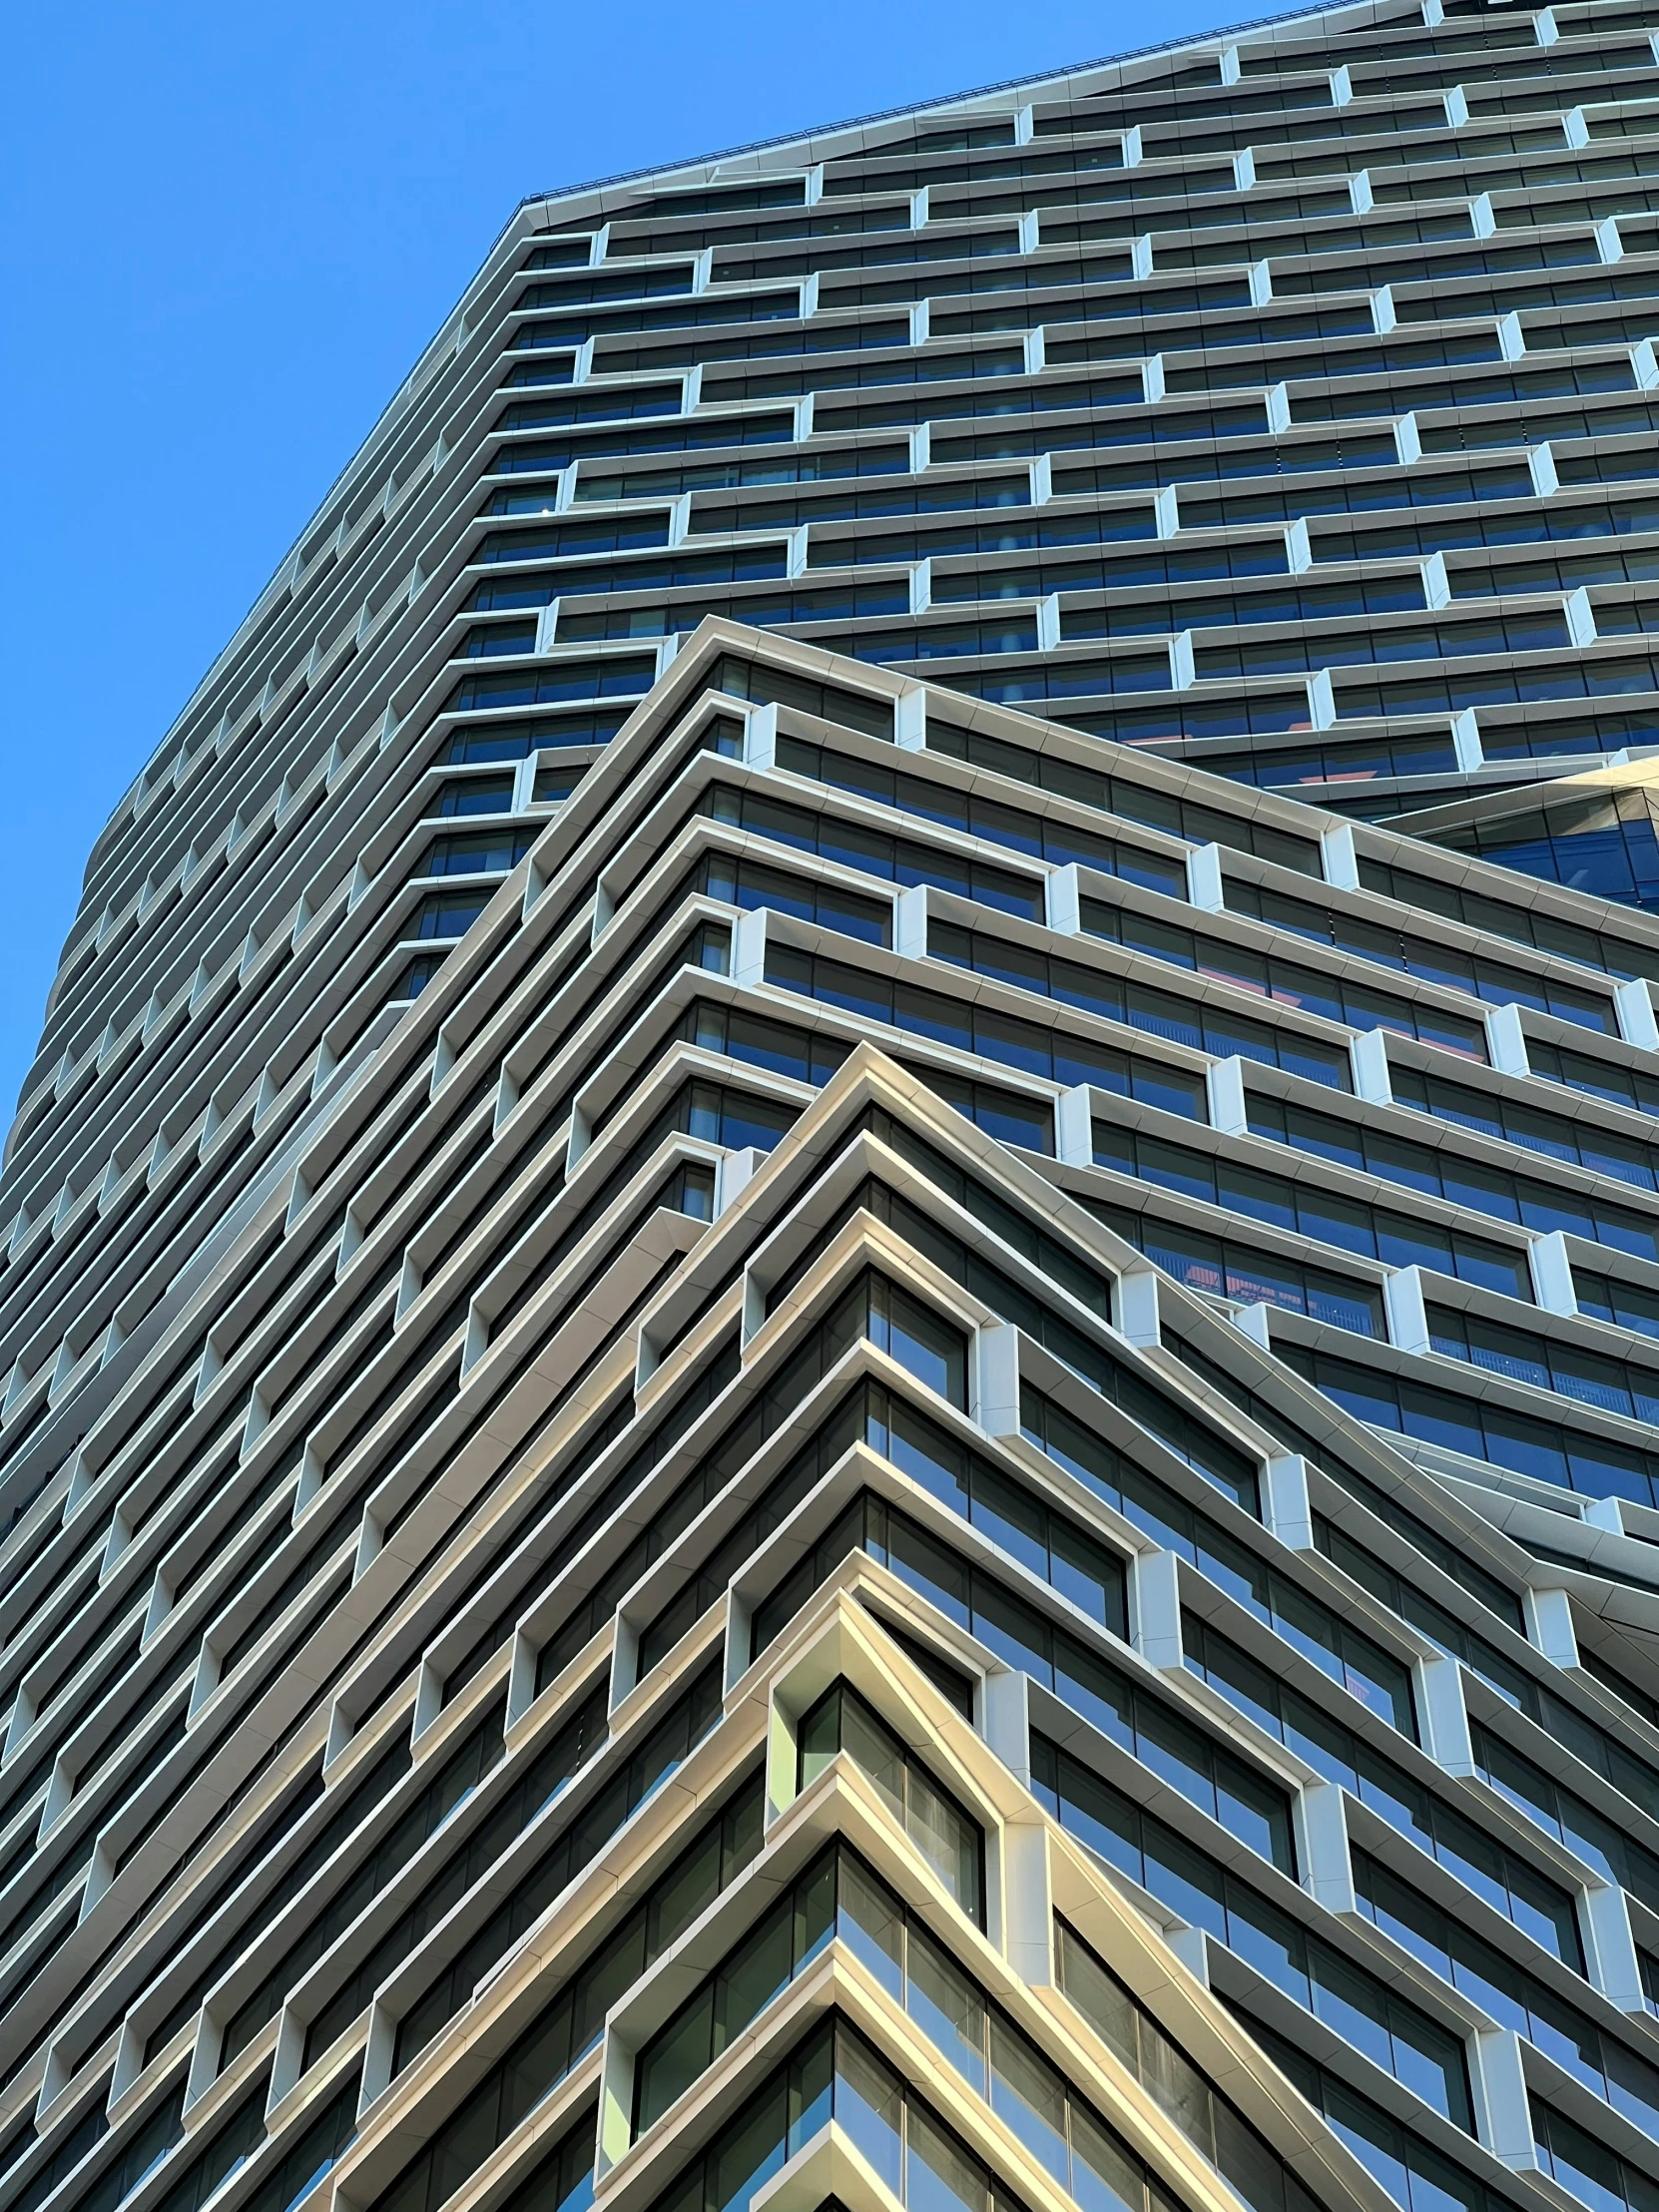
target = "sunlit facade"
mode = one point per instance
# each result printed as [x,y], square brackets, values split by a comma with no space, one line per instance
[831,1294]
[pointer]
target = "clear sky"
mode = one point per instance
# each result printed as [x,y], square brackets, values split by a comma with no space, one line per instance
[225,232]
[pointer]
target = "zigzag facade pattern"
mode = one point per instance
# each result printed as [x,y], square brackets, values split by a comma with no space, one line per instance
[772,1437]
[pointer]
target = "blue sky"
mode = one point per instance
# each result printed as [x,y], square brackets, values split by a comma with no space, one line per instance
[224,235]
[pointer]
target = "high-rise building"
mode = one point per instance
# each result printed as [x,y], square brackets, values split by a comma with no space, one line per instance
[830,1294]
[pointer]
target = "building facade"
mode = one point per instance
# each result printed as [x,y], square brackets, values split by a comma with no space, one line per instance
[830,1294]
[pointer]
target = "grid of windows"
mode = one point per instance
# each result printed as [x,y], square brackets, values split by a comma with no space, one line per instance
[565,1143]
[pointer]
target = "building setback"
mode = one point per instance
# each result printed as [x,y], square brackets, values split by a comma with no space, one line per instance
[831,1294]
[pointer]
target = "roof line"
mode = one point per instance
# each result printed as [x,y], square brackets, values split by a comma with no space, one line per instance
[923,107]
[414,380]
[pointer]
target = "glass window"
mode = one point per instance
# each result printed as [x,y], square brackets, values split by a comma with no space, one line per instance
[1084,1570]
[948,1838]
[1298,1203]
[573,2021]
[922,2160]
[786,1940]
[575,2015]
[1217,2129]
[1364,2009]
[1418,2177]
[1527,1445]
[1052,1054]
